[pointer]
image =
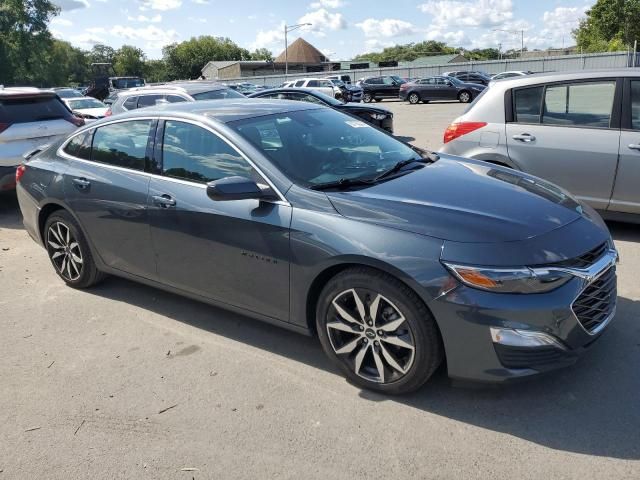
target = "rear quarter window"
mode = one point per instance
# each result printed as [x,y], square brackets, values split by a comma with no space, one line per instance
[122,144]
[80,146]
[32,109]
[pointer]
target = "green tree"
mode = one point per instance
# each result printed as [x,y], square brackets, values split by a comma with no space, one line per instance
[185,60]
[609,25]
[101,54]
[24,35]
[63,64]
[155,71]
[129,60]
[262,54]
[408,52]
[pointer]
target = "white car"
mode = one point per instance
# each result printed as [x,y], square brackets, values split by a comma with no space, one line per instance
[29,118]
[511,74]
[319,84]
[88,108]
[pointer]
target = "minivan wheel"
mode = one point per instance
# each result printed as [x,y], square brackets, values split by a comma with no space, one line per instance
[414,98]
[464,97]
[69,251]
[377,331]
[367,98]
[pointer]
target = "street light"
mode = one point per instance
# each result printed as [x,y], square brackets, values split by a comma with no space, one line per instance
[514,32]
[288,29]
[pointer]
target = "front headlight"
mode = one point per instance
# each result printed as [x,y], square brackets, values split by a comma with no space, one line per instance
[378,116]
[509,280]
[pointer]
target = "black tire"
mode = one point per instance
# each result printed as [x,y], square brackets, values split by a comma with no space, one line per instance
[399,308]
[378,99]
[64,239]
[465,96]
[367,97]
[413,98]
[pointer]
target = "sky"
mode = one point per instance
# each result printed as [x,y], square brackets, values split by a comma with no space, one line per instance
[341,29]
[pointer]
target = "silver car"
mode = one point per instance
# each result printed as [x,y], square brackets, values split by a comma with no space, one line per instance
[579,130]
[29,118]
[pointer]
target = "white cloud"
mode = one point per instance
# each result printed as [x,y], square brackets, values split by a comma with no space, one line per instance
[322,19]
[161,5]
[66,5]
[150,34]
[327,4]
[63,22]
[457,38]
[481,13]
[376,45]
[388,27]
[145,19]
[201,2]
[197,19]
[557,27]
[269,38]
[96,30]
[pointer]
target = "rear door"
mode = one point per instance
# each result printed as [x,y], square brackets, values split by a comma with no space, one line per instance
[568,133]
[106,187]
[626,193]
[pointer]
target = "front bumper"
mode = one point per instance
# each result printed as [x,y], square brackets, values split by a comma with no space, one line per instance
[468,319]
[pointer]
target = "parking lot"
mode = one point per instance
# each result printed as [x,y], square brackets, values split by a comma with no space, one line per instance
[125,381]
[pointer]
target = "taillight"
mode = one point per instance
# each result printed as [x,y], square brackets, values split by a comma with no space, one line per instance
[77,121]
[456,130]
[20,172]
[108,113]
[4,126]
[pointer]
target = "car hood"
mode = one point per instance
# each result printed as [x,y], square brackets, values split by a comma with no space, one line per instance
[462,201]
[472,85]
[365,106]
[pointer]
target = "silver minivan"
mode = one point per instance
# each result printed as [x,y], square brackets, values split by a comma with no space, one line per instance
[578,130]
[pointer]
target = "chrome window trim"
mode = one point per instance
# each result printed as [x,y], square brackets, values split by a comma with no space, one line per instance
[282,199]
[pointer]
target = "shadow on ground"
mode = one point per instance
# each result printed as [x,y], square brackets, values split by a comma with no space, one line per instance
[10,216]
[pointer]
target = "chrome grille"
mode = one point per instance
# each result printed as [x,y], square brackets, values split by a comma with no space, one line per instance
[586,259]
[597,302]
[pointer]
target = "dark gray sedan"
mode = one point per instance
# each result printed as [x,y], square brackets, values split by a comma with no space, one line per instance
[310,219]
[439,88]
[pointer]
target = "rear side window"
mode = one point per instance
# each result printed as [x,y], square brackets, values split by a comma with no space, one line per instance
[313,83]
[80,146]
[175,99]
[527,104]
[122,144]
[219,94]
[148,100]
[635,104]
[299,83]
[32,109]
[130,103]
[192,153]
[580,104]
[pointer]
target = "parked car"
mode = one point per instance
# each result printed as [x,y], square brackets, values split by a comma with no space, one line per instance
[320,84]
[470,77]
[378,116]
[343,78]
[301,216]
[378,88]
[67,92]
[579,130]
[350,93]
[510,74]
[86,107]
[29,118]
[439,88]
[170,93]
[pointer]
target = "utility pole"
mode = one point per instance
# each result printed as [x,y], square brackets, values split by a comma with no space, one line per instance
[286,44]
[514,32]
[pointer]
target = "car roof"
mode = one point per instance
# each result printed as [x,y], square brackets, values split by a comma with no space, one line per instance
[25,91]
[537,78]
[190,88]
[223,111]
[79,98]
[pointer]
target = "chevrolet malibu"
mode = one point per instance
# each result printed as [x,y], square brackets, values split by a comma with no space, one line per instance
[396,258]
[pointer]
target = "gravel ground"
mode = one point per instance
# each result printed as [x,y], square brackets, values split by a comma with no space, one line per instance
[125,381]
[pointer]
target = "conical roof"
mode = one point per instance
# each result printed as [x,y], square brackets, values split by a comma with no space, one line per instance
[302,51]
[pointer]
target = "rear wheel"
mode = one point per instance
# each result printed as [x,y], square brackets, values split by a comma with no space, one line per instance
[69,252]
[464,96]
[377,331]
[414,98]
[367,98]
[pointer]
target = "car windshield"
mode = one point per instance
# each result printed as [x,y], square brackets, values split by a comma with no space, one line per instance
[85,103]
[398,79]
[454,80]
[320,146]
[68,93]
[217,94]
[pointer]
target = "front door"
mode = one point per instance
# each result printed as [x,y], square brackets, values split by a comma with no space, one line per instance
[447,89]
[105,185]
[626,193]
[235,252]
[566,133]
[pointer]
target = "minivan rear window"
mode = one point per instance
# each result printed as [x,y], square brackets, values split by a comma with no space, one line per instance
[32,109]
[219,94]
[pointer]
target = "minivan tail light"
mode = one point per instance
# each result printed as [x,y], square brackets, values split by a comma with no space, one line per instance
[20,172]
[456,130]
[4,126]
[108,113]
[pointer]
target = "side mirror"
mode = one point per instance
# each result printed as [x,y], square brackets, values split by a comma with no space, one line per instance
[234,188]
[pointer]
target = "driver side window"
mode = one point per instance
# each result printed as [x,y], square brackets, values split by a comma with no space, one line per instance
[190,152]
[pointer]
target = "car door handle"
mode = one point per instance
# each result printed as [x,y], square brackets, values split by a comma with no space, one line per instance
[164,201]
[524,137]
[634,146]
[81,183]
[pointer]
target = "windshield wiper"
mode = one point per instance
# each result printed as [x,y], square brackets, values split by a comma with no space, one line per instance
[342,183]
[430,157]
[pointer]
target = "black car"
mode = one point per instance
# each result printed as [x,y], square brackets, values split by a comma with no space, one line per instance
[350,93]
[377,88]
[439,88]
[378,116]
[302,216]
[470,77]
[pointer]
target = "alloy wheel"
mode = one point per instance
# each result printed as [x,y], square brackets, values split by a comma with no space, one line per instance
[413,98]
[370,335]
[64,251]
[465,97]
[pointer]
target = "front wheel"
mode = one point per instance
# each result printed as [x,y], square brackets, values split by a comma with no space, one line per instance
[414,98]
[377,331]
[464,97]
